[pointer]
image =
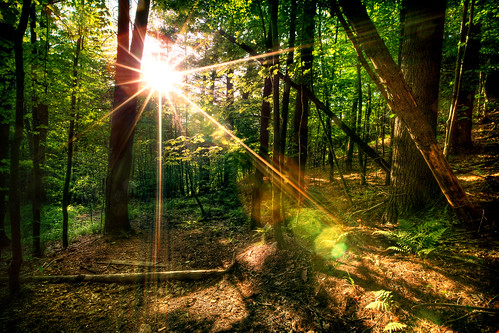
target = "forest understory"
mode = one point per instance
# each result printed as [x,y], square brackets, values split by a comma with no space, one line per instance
[370,287]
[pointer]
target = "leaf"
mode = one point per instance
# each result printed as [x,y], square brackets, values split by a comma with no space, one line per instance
[378,306]
[394,327]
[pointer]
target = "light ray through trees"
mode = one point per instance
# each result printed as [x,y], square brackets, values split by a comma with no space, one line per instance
[153,81]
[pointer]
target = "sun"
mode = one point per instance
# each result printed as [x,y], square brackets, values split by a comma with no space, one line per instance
[161,75]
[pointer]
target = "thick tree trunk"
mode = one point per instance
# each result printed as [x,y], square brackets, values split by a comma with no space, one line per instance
[124,117]
[401,100]
[412,186]
[14,196]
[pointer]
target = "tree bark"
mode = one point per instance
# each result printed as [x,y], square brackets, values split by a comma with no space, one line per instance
[302,105]
[401,100]
[276,122]
[124,117]
[66,193]
[14,196]
[131,277]
[287,86]
[413,187]
[466,82]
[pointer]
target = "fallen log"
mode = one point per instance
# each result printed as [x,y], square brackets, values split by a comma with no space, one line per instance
[132,263]
[187,275]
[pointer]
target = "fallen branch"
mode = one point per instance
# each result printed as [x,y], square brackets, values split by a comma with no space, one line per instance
[132,263]
[450,305]
[130,277]
[187,275]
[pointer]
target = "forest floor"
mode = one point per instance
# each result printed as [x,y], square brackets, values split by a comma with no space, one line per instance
[366,288]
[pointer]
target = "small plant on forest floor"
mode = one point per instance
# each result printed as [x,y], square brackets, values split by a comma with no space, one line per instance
[384,303]
[265,232]
[419,237]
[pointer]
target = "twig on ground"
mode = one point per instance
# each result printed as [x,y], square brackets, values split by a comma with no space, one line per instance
[450,305]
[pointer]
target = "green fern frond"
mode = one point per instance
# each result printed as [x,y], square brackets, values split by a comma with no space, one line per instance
[378,306]
[383,301]
[421,239]
[394,327]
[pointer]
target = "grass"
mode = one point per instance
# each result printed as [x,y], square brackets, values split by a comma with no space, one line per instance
[79,222]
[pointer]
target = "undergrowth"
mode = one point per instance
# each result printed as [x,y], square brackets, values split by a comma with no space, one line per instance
[420,236]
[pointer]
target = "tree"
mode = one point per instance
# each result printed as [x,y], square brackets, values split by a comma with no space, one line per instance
[302,105]
[39,116]
[14,195]
[124,116]
[402,102]
[465,83]
[7,81]
[276,122]
[66,194]
[412,186]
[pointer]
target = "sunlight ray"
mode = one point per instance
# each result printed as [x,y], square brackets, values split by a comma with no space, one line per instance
[261,162]
[237,61]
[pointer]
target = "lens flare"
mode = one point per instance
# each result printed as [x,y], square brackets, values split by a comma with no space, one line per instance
[161,75]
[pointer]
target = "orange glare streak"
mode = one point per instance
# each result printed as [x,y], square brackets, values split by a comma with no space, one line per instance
[259,159]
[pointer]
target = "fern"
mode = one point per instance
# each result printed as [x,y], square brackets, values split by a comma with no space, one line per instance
[421,238]
[394,327]
[383,301]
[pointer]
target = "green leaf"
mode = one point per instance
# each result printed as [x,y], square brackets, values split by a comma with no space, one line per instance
[394,327]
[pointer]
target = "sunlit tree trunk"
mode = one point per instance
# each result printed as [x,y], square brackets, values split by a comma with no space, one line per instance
[124,117]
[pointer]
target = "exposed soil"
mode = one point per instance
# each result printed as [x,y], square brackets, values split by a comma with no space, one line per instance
[271,290]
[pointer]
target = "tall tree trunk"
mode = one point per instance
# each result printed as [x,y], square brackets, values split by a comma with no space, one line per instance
[366,137]
[287,86]
[4,175]
[39,115]
[276,144]
[401,101]
[465,85]
[124,117]
[300,122]
[14,196]
[263,152]
[7,33]
[66,193]
[412,186]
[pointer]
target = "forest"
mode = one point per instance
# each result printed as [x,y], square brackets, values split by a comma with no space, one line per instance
[249,166]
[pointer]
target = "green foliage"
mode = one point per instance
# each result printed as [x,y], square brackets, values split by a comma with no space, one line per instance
[383,301]
[420,237]
[394,327]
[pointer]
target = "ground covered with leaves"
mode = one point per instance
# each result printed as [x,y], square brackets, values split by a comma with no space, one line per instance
[351,274]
